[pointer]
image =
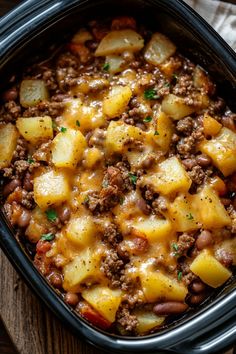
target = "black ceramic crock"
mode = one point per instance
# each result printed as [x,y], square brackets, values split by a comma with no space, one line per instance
[25,33]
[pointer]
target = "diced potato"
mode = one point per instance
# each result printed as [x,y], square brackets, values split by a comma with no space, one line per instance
[201,79]
[81,230]
[147,320]
[90,181]
[211,211]
[175,107]
[115,63]
[159,49]
[82,117]
[209,270]
[104,300]
[83,269]
[8,142]
[35,129]
[222,150]
[153,228]
[165,130]
[210,125]
[118,133]
[116,42]
[92,157]
[218,185]
[183,214]
[32,92]
[116,101]
[170,178]
[82,36]
[68,148]
[157,286]
[38,225]
[51,187]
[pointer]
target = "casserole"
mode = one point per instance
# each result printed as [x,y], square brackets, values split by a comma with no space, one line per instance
[152,342]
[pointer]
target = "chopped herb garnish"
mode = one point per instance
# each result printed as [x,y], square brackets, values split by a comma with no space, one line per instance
[30,160]
[189,216]
[156,132]
[105,183]
[147,119]
[151,94]
[175,76]
[122,200]
[106,67]
[86,199]
[63,129]
[47,237]
[175,246]
[180,274]
[133,178]
[54,125]
[78,123]
[167,84]
[51,214]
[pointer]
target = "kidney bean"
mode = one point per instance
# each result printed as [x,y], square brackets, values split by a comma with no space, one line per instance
[196,299]
[169,308]
[71,299]
[27,184]
[225,201]
[198,286]
[143,206]
[10,95]
[24,218]
[204,239]
[43,246]
[64,213]
[11,186]
[189,163]
[228,122]
[55,279]
[203,160]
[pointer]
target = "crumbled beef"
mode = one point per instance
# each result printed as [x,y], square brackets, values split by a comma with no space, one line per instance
[43,152]
[184,85]
[97,138]
[111,234]
[186,146]
[21,149]
[216,107]
[232,214]
[10,112]
[185,126]
[52,109]
[187,275]
[224,257]
[159,205]
[185,242]
[113,267]
[197,175]
[125,319]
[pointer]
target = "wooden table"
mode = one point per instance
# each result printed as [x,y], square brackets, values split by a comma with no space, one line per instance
[31,326]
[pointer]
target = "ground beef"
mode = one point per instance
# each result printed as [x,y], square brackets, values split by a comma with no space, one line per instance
[184,244]
[125,319]
[186,146]
[185,126]
[52,109]
[10,112]
[232,214]
[184,85]
[21,150]
[197,175]
[113,267]
[187,275]
[111,234]
[43,153]
[159,206]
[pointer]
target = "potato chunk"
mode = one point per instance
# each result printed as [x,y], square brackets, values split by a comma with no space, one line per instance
[35,129]
[183,214]
[164,131]
[32,92]
[116,101]
[212,213]
[209,270]
[8,142]
[147,320]
[81,230]
[68,148]
[116,42]
[83,269]
[170,178]
[158,286]
[175,107]
[222,150]
[159,49]
[210,125]
[104,300]
[118,133]
[51,187]
[153,228]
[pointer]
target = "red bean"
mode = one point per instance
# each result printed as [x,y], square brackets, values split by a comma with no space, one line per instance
[10,95]
[24,218]
[203,160]
[225,201]
[55,279]
[64,213]
[169,308]
[197,286]
[143,206]
[196,299]
[204,240]
[71,299]
[27,184]
[228,122]
[11,186]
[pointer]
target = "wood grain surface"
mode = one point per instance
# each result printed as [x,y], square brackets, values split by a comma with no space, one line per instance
[32,327]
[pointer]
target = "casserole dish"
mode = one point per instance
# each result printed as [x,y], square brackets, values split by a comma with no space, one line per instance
[219,56]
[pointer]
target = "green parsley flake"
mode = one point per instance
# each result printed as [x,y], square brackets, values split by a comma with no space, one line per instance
[51,214]
[175,76]
[175,246]
[86,199]
[133,178]
[30,160]
[122,200]
[78,123]
[156,132]
[151,94]
[189,216]
[63,129]
[147,119]
[180,274]
[106,67]
[47,237]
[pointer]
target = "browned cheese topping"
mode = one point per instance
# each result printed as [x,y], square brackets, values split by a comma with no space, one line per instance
[118,169]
